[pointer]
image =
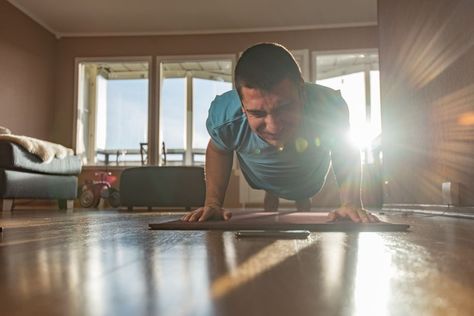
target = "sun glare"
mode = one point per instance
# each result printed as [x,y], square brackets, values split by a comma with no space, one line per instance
[363,137]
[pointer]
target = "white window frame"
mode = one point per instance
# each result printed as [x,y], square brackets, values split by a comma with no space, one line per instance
[314,55]
[302,57]
[113,59]
[189,113]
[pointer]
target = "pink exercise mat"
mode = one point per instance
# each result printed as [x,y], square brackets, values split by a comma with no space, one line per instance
[312,221]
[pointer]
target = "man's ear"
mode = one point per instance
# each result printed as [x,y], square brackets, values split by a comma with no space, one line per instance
[241,103]
[242,106]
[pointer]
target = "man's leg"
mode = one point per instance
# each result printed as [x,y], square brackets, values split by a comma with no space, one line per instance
[303,205]
[270,203]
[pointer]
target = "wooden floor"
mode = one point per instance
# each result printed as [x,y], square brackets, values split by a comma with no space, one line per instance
[109,263]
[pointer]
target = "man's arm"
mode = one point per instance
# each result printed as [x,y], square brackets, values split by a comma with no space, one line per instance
[346,164]
[217,173]
[347,167]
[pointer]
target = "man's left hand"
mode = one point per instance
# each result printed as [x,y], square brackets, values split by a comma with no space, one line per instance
[356,214]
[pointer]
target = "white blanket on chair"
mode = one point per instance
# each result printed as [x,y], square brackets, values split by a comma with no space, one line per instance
[41,148]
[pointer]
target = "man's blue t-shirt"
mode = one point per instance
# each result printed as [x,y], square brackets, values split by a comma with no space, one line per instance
[298,170]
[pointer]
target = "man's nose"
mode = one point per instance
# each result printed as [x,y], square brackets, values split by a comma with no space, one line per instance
[273,124]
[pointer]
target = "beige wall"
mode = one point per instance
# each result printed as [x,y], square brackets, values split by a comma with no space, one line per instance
[27,74]
[426,52]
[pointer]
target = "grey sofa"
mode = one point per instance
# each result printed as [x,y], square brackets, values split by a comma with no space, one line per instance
[24,176]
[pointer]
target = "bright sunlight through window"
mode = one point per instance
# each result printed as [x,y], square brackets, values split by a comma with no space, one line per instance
[356,76]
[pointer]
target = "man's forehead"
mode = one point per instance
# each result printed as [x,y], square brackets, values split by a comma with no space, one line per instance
[256,97]
[264,101]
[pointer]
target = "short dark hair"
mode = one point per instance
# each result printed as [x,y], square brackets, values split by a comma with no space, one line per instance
[263,66]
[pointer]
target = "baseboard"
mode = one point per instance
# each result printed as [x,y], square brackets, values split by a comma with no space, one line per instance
[433,209]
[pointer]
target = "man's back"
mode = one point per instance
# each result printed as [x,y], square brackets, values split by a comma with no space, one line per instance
[296,170]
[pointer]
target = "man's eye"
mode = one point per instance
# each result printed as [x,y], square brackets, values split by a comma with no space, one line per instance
[257,114]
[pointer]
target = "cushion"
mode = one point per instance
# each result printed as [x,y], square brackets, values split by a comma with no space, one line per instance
[27,185]
[13,156]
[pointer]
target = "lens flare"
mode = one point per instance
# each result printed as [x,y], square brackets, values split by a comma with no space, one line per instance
[301,144]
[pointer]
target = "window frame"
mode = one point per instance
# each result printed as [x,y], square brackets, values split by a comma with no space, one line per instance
[159,60]
[303,56]
[367,152]
[112,59]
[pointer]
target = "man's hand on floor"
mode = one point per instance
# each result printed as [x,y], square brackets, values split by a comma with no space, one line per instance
[207,213]
[356,214]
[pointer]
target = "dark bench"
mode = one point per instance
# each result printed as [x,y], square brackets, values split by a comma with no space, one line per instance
[170,186]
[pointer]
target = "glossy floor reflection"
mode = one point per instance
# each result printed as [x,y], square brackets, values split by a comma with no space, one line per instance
[109,263]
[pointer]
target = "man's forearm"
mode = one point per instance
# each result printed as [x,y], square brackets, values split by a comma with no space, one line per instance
[348,175]
[349,191]
[218,169]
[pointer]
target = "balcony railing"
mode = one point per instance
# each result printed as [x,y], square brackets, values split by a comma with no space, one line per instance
[174,156]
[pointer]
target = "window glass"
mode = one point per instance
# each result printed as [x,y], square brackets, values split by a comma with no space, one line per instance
[173,110]
[349,73]
[187,89]
[126,115]
[352,89]
[204,92]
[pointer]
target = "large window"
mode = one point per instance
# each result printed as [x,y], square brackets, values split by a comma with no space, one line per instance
[356,75]
[188,87]
[112,111]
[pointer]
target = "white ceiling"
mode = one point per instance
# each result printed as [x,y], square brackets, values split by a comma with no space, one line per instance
[141,17]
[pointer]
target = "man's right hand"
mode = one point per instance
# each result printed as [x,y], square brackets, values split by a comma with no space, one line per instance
[207,213]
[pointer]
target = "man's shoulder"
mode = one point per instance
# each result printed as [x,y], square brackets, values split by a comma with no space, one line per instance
[226,123]
[325,103]
[225,108]
[319,93]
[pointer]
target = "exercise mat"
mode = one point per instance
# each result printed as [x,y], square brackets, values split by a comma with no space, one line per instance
[312,221]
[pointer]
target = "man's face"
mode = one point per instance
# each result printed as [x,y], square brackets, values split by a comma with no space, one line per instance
[274,115]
